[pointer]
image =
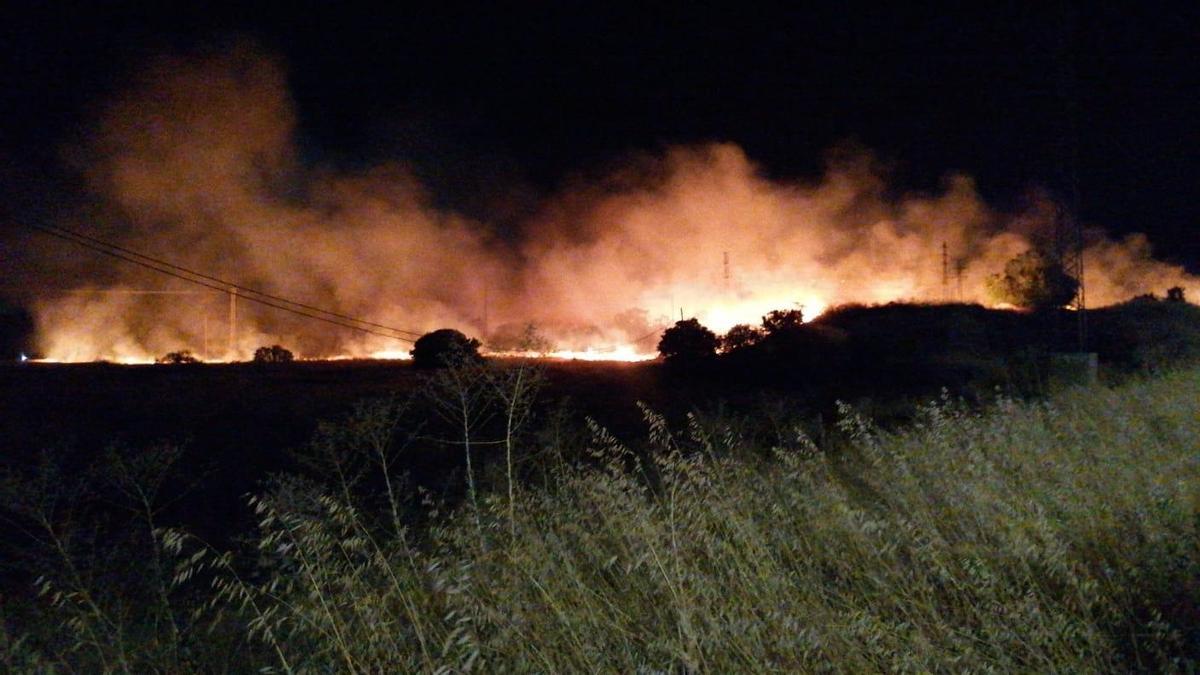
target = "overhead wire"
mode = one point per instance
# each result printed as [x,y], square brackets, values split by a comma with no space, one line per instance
[246,293]
[227,284]
[217,284]
[649,335]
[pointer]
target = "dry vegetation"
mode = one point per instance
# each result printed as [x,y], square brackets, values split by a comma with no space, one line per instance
[1056,536]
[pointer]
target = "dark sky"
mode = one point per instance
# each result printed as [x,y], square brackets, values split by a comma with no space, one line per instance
[537,96]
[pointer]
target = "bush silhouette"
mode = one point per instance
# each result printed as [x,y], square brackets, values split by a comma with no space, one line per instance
[1033,281]
[444,347]
[782,320]
[741,336]
[273,354]
[687,341]
[177,358]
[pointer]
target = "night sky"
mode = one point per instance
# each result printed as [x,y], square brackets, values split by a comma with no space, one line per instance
[502,107]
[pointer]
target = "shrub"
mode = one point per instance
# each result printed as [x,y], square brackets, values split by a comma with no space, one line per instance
[741,336]
[273,354]
[177,358]
[782,320]
[1033,281]
[687,341]
[444,347]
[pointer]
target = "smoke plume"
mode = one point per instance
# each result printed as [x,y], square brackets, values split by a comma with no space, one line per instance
[197,162]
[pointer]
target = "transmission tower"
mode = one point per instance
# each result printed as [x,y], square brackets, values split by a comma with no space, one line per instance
[1068,230]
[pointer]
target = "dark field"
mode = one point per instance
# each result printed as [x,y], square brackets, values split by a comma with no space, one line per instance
[248,418]
[986,488]
[238,423]
[249,411]
[877,357]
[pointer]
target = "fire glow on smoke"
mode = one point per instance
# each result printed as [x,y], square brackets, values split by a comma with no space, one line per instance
[196,163]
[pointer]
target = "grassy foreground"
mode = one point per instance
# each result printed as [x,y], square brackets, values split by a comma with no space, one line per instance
[1057,536]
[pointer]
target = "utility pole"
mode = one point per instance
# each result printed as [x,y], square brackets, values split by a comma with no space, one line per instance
[945,272]
[725,259]
[485,312]
[232,322]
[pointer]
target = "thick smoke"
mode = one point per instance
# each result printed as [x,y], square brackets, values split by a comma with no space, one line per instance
[198,163]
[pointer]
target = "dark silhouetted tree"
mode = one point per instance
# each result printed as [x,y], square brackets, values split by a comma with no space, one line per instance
[782,320]
[177,358]
[444,347]
[273,354]
[1175,294]
[741,336]
[1033,281]
[687,341]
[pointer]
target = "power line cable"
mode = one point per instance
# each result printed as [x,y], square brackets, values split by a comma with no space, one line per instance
[67,235]
[226,284]
[220,289]
[649,335]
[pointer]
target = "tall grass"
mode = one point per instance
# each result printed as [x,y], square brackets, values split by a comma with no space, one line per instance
[1056,536]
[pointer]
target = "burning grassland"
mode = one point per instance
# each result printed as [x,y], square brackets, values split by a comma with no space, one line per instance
[197,161]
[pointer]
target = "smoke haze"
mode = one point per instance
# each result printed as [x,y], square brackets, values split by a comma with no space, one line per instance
[197,162]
